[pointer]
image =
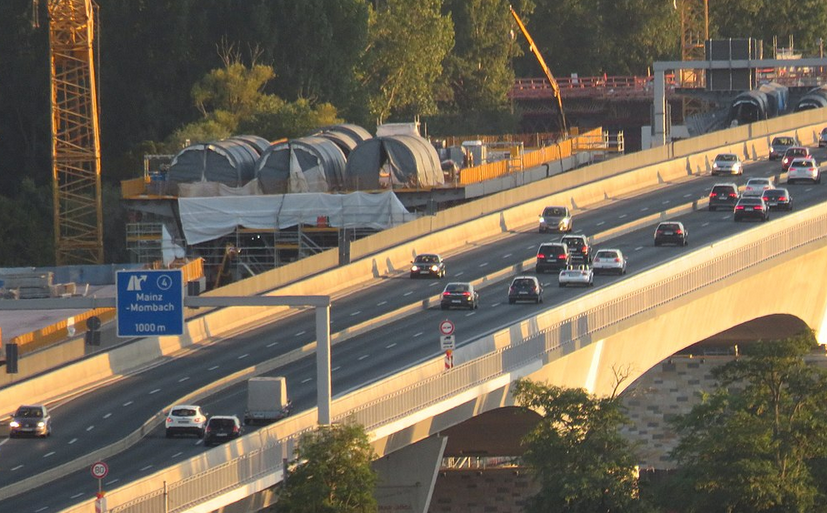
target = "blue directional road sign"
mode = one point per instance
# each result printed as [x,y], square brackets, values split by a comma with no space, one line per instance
[150,302]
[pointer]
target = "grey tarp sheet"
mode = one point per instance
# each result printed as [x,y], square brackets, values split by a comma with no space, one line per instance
[307,164]
[394,161]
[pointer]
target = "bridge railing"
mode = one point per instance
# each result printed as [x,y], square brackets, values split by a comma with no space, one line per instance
[426,386]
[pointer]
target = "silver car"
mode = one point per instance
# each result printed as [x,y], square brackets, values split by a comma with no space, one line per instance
[804,169]
[609,261]
[580,275]
[555,219]
[757,186]
[31,420]
[727,163]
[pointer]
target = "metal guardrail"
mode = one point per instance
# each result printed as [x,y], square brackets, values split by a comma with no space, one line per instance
[373,414]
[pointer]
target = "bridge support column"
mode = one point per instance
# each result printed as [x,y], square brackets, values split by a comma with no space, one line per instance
[407,476]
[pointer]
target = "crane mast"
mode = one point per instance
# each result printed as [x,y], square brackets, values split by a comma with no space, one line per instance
[76,163]
[554,87]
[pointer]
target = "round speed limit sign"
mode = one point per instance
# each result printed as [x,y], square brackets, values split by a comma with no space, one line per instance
[100,469]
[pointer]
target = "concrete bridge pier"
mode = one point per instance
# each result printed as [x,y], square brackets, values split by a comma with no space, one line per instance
[407,476]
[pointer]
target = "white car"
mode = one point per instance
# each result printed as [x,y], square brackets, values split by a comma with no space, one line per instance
[609,261]
[580,275]
[727,163]
[186,418]
[804,169]
[757,186]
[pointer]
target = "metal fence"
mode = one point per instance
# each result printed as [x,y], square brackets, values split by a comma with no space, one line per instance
[548,343]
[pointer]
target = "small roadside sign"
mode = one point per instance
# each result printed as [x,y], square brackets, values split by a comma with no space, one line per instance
[447,342]
[446,327]
[100,470]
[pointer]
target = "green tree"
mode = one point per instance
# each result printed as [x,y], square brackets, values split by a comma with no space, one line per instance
[26,226]
[576,452]
[754,443]
[402,65]
[331,473]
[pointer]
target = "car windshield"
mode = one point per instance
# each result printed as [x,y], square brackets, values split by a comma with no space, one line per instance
[456,287]
[726,158]
[425,259]
[554,212]
[183,412]
[29,413]
[783,141]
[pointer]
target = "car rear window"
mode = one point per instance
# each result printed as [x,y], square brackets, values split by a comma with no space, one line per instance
[804,163]
[606,254]
[554,249]
[222,423]
[723,189]
[573,241]
[183,412]
[783,141]
[524,284]
[669,226]
[750,201]
[775,193]
[796,152]
[457,288]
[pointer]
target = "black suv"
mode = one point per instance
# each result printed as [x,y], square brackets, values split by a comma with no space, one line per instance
[552,255]
[754,208]
[723,195]
[580,248]
[671,232]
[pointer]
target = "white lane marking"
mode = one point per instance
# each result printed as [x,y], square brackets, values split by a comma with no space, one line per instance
[4,441]
[390,346]
[665,202]
[483,264]
[299,334]
[112,481]
[434,284]
[183,379]
[334,369]
[496,304]
[578,231]
[418,334]
[530,247]
[601,223]
[49,454]
[357,312]
[469,314]
[638,248]
[307,380]
[408,293]
[460,273]
[73,440]
[363,357]
[90,428]
[381,303]
[507,255]
[705,224]
[808,189]
[17,468]
[725,218]
[146,468]
[44,508]
[621,216]
[177,454]
[687,195]
[107,415]
[126,404]
[75,496]
[245,355]
[155,391]
[213,367]
[271,344]
[644,209]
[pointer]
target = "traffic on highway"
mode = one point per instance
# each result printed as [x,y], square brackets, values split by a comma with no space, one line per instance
[106,415]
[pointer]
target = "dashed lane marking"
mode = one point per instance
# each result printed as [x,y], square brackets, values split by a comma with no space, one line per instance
[146,468]
[73,440]
[299,334]
[621,216]
[408,293]
[363,357]
[17,468]
[307,380]
[213,367]
[357,312]
[390,345]
[245,355]
[52,453]
[601,223]
[705,224]
[381,303]
[155,391]
[334,369]
[417,334]
[271,344]
[177,454]
[90,428]
[638,248]
[469,314]
[460,273]
[75,496]
[507,255]
[183,379]
[107,415]
[483,264]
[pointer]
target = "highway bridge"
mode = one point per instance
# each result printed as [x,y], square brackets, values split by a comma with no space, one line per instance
[391,377]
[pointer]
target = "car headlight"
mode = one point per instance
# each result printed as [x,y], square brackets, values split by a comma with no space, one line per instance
[41,424]
[14,424]
[414,268]
[714,165]
[434,268]
[542,219]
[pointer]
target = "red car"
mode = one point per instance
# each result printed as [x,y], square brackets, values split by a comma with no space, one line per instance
[795,152]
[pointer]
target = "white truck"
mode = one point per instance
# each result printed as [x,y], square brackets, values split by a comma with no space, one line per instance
[266,400]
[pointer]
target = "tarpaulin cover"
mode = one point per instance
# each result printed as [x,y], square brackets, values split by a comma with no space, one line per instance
[307,164]
[394,161]
[205,219]
[230,161]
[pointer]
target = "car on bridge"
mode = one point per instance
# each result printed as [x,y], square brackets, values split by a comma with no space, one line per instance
[580,248]
[778,199]
[727,163]
[576,275]
[751,208]
[32,420]
[779,146]
[428,264]
[556,219]
[525,288]
[822,137]
[609,261]
[221,428]
[552,255]
[671,232]
[723,195]
[460,294]
[186,418]
[796,152]
[757,186]
[803,170]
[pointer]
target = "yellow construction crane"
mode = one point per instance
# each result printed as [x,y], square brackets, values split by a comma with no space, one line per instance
[694,34]
[554,87]
[76,165]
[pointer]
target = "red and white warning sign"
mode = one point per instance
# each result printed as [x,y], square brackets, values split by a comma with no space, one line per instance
[446,327]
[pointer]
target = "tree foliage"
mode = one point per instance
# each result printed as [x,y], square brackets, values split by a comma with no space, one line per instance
[331,473]
[576,452]
[755,442]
